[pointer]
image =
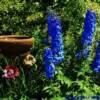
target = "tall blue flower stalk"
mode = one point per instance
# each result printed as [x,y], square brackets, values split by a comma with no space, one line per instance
[88,34]
[55,32]
[96,63]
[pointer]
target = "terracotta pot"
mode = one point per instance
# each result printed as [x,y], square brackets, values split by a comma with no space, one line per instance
[14,45]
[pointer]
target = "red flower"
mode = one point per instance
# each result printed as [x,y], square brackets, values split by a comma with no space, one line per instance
[10,72]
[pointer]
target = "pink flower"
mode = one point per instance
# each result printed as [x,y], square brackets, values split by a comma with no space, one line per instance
[10,72]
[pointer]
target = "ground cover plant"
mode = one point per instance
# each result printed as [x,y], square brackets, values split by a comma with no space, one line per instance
[73,76]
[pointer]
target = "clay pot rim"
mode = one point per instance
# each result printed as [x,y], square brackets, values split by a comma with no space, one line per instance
[13,38]
[13,45]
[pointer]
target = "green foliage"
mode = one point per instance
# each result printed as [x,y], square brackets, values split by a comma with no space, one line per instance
[74,77]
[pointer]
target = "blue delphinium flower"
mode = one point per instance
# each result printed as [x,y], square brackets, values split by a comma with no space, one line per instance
[89,28]
[55,54]
[87,35]
[96,63]
[48,61]
[55,31]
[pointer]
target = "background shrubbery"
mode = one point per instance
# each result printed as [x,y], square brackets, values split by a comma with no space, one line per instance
[74,77]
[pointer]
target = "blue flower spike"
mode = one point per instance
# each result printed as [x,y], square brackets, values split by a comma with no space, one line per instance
[56,51]
[87,34]
[89,28]
[55,31]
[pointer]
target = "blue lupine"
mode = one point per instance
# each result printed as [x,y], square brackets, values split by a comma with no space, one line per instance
[48,61]
[96,63]
[87,35]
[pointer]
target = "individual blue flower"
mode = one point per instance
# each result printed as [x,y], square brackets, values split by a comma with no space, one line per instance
[96,70]
[48,62]
[78,54]
[85,52]
[96,63]
[46,40]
